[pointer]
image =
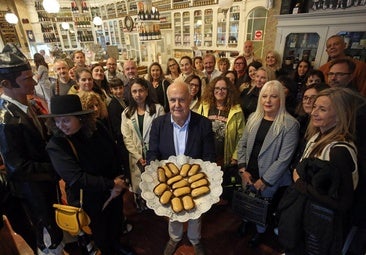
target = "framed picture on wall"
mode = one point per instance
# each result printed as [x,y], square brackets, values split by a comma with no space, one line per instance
[30,35]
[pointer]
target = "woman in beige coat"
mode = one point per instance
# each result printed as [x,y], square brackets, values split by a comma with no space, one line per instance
[135,127]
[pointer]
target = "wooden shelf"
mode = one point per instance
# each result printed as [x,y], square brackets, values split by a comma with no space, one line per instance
[7,31]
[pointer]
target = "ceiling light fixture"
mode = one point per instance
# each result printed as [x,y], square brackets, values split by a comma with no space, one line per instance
[97,21]
[65,25]
[11,18]
[51,6]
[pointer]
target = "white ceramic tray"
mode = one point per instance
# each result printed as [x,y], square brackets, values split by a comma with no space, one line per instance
[203,204]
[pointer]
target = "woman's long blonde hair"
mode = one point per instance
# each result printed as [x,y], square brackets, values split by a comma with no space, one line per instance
[344,102]
[258,115]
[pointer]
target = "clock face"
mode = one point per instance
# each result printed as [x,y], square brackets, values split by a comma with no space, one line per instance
[129,23]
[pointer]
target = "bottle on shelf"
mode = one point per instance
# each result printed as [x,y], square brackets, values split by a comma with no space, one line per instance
[74,7]
[140,13]
[149,16]
[153,33]
[300,7]
[84,7]
[141,33]
[144,34]
[145,13]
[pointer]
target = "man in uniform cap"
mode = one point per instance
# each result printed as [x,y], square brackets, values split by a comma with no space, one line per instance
[22,146]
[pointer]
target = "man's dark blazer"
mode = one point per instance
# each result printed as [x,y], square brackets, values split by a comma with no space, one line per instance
[200,141]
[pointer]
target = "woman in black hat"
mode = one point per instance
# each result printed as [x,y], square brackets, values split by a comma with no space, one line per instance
[85,157]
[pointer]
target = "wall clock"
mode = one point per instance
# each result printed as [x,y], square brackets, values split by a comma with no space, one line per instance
[129,23]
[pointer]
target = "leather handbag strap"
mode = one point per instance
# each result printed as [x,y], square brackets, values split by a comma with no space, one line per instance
[76,155]
[73,148]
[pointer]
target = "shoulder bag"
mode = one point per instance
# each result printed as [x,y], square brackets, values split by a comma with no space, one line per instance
[70,218]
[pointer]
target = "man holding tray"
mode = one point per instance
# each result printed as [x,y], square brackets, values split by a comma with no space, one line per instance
[181,132]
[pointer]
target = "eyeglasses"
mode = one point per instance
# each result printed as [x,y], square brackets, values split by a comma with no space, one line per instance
[194,85]
[220,89]
[330,74]
[239,63]
[306,98]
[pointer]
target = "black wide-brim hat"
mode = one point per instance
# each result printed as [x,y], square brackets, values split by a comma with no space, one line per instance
[66,105]
[13,60]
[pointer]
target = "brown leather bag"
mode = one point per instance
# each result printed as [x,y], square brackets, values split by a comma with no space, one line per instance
[11,243]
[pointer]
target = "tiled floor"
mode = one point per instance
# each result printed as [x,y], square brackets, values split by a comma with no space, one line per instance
[219,232]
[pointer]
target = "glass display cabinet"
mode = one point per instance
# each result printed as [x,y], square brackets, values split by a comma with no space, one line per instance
[300,46]
[208,28]
[234,26]
[177,29]
[221,27]
[355,44]
[68,36]
[197,19]
[114,33]
[186,29]
[182,29]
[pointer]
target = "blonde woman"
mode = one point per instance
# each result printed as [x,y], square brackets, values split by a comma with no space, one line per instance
[327,175]
[273,64]
[265,150]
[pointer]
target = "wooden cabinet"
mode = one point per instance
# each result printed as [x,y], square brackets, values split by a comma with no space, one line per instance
[234,21]
[302,30]
[112,32]
[182,28]
[68,37]
[77,31]
[208,29]
[7,31]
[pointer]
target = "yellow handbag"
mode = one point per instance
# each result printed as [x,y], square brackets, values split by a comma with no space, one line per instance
[72,219]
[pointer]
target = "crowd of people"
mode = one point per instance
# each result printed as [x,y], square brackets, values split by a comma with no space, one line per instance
[301,129]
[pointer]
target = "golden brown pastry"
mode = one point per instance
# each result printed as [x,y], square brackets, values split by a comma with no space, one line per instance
[173,168]
[199,183]
[180,184]
[160,188]
[196,177]
[182,191]
[195,168]
[167,171]
[200,191]
[184,169]
[161,174]
[165,198]
[174,179]
[177,205]
[188,203]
